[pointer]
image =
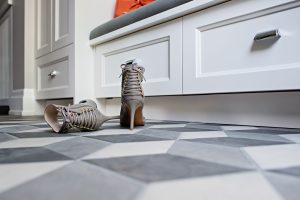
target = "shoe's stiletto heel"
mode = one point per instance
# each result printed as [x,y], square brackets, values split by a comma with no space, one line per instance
[132,96]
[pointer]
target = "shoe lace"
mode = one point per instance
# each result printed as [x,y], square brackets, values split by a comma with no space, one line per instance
[132,77]
[84,119]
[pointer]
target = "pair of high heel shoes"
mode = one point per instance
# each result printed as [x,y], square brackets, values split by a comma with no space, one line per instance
[86,116]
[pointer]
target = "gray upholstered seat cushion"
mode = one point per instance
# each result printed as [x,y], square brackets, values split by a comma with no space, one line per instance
[142,13]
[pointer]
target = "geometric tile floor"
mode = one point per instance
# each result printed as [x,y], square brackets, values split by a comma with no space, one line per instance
[162,160]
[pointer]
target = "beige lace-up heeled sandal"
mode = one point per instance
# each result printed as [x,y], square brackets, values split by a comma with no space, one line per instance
[84,116]
[132,95]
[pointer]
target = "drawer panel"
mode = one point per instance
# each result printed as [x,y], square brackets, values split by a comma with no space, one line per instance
[54,74]
[158,49]
[235,48]
[222,55]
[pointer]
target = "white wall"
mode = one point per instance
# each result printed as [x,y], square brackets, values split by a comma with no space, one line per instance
[88,15]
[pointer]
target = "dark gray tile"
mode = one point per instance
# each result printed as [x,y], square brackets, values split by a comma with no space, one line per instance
[160,133]
[272,131]
[165,122]
[76,181]
[41,125]
[14,129]
[204,126]
[8,124]
[212,153]
[5,137]
[41,134]
[123,138]
[182,129]
[293,171]
[77,147]
[257,136]
[152,168]
[34,154]
[235,142]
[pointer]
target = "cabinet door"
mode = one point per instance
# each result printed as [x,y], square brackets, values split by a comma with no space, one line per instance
[5,56]
[43,27]
[229,49]
[55,74]
[62,23]
[159,50]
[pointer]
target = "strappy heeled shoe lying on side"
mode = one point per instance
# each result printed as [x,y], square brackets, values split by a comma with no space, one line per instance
[84,116]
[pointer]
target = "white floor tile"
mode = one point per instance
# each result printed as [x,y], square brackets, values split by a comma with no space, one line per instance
[132,149]
[202,134]
[246,186]
[275,156]
[32,142]
[15,174]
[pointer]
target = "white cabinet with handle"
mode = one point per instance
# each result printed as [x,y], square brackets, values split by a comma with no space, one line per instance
[54,48]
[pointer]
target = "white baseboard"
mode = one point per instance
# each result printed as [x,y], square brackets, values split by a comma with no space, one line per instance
[22,102]
[278,109]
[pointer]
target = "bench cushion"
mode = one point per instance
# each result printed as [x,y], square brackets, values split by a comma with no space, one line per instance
[142,13]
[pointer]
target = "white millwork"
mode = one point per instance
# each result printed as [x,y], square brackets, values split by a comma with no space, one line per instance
[227,47]
[43,27]
[158,50]
[55,49]
[237,46]
[220,54]
[54,74]
[62,23]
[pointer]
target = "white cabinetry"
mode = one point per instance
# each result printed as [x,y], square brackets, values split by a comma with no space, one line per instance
[54,48]
[62,23]
[220,53]
[43,27]
[5,56]
[159,49]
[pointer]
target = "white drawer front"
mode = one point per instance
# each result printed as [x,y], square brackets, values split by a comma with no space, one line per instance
[159,51]
[222,56]
[55,74]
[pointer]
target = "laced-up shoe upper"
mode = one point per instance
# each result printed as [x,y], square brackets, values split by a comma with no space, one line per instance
[84,116]
[132,77]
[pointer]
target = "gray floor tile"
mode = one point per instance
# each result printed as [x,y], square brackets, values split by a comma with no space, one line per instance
[41,125]
[287,186]
[77,147]
[212,153]
[204,126]
[272,131]
[76,181]
[183,129]
[161,167]
[14,129]
[123,138]
[293,171]
[159,133]
[35,154]
[41,134]
[5,137]
[235,142]
[257,136]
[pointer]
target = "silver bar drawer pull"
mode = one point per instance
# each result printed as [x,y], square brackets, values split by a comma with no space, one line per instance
[267,35]
[52,74]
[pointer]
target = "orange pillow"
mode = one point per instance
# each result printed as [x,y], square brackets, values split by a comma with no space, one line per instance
[125,6]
